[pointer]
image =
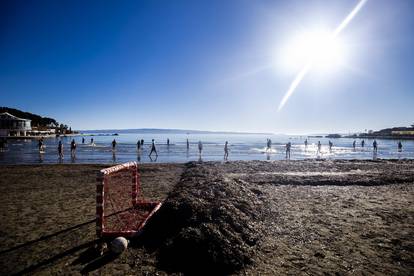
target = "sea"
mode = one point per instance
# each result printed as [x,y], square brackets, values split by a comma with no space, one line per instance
[241,147]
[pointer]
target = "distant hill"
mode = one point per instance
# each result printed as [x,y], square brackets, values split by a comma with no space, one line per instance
[164,131]
[37,120]
[388,133]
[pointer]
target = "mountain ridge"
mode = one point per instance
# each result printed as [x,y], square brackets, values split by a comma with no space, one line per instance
[167,130]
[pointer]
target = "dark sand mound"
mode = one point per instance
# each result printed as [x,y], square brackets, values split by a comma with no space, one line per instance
[207,224]
[278,217]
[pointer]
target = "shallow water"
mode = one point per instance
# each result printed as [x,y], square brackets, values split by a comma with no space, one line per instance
[241,147]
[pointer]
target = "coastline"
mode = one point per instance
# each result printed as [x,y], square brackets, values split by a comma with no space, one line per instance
[40,136]
[388,137]
[321,216]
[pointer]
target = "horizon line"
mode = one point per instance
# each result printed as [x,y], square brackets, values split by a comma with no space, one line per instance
[178,129]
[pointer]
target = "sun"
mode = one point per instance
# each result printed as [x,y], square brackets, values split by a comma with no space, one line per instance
[320,49]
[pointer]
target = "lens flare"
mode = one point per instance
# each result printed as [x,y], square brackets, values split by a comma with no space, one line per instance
[316,49]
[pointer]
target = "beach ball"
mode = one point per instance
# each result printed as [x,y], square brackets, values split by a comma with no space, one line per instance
[119,245]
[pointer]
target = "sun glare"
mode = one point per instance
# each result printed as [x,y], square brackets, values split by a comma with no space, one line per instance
[320,49]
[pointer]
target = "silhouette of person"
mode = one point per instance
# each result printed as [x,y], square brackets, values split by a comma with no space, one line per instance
[83,140]
[60,150]
[330,145]
[288,146]
[354,144]
[113,145]
[168,142]
[319,146]
[362,143]
[226,151]
[153,149]
[375,146]
[306,143]
[142,142]
[41,145]
[200,147]
[73,148]
[400,146]
[138,145]
[188,144]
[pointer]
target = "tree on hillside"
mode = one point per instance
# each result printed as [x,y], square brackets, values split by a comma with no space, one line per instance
[36,119]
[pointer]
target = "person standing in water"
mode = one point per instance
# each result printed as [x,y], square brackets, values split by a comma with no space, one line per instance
[168,142]
[354,144]
[83,140]
[91,141]
[330,145]
[269,145]
[319,147]
[226,151]
[306,143]
[288,146]
[142,143]
[73,148]
[188,145]
[138,145]
[362,143]
[153,149]
[399,146]
[60,150]
[375,146]
[40,145]
[200,147]
[113,145]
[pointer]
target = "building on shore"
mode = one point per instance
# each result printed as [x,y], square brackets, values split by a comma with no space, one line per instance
[387,133]
[14,126]
[403,132]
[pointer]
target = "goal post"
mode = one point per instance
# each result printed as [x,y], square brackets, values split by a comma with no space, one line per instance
[121,209]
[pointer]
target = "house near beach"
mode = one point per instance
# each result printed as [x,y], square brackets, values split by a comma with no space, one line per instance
[14,126]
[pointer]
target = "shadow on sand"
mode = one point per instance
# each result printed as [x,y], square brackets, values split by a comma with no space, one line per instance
[65,242]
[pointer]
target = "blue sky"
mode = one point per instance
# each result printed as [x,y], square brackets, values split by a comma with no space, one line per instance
[208,65]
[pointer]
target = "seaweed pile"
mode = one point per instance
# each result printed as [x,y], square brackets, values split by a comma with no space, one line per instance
[207,224]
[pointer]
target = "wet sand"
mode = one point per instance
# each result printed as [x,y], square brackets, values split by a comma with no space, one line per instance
[315,217]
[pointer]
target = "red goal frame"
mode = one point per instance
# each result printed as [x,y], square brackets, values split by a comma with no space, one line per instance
[137,203]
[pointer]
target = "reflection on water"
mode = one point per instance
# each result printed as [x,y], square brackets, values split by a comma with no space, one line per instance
[41,157]
[241,147]
[138,156]
[153,159]
[113,156]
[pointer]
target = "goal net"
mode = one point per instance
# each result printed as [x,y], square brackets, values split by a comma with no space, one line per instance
[121,209]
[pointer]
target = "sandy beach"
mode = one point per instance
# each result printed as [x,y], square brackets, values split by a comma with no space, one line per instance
[242,217]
